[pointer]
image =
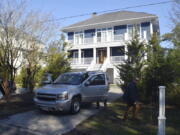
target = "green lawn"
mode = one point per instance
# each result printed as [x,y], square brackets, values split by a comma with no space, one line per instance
[109,122]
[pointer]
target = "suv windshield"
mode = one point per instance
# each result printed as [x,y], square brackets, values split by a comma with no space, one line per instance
[72,79]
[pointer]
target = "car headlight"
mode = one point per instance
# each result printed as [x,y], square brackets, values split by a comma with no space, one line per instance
[63,96]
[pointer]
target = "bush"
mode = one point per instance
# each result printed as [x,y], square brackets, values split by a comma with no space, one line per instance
[173,94]
[21,78]
[57,64]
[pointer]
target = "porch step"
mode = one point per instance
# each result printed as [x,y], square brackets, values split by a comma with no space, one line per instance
[96,67]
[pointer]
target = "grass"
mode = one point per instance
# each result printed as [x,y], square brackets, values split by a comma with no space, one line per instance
[16,104]
[109,122]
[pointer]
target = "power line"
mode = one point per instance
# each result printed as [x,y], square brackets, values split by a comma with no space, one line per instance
[112,10]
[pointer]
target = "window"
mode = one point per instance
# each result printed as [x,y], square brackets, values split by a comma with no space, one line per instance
[133,29]
[89,35]
[78,38]
[98,80]
[70,37]
[101,35]
[104,35]
[98,35]
[75,54]
[72,79]
[145,30]
[137,29]
[109,34]
[130,31]
[117,51]
[119,32]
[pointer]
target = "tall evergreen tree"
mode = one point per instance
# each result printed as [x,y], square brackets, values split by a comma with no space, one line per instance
[158,70]
[133,65]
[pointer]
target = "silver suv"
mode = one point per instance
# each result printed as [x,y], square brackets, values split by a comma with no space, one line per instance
[69,90]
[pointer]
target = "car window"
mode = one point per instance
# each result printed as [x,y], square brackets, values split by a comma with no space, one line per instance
[84,77]
[97,80]
[71,79]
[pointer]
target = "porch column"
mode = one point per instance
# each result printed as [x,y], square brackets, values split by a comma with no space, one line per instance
[94,55]
[108,54]
[151,28]
[79,56]
[126,50]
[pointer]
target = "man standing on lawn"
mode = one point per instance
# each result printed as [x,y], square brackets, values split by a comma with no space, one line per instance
[131,98]
[1,88]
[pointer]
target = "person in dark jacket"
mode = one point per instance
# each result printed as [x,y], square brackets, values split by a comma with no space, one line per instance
[1,88]
[131,98]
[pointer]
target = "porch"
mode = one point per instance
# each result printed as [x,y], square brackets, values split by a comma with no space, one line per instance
[113,55]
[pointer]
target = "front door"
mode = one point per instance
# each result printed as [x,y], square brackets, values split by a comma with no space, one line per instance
[82,58]
[95,88]
[101,55]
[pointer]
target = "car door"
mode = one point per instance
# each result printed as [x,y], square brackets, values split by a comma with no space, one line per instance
[95,88]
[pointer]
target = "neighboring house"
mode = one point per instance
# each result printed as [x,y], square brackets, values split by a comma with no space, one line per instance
[19,46]
[29,46]
[98,43]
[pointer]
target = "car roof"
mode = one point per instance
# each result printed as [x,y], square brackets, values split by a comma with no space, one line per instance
[86,72]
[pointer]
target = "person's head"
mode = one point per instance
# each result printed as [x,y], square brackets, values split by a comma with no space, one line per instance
[136,79]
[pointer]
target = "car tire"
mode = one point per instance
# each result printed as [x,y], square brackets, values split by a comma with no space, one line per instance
[75,105]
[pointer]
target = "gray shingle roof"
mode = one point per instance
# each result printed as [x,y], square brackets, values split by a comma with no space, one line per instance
[110,17]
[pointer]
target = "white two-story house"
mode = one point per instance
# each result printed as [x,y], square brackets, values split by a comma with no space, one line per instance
[99,43]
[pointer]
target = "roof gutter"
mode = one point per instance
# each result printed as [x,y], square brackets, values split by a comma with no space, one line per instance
[64,29]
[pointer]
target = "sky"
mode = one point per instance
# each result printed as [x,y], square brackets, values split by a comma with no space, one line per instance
[65,8]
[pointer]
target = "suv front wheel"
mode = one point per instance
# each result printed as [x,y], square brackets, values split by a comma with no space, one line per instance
[75,105]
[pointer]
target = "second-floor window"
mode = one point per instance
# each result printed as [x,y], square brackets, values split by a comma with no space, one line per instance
[89,36]
[101,35]
[133,29]
[70,37]
[109,34]
[104,35]
[145,30]
[119,32]
[78,37]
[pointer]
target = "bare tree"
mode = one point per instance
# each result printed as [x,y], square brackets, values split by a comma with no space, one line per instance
[175,13]
[22,31]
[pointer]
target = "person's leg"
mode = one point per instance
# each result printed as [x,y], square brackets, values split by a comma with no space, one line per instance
[128,110]
[136,110]
[105,103]
[97,104]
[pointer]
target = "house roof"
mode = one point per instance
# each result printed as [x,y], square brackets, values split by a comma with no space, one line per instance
[110,18]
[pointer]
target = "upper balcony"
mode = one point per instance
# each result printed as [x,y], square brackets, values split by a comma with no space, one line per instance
[119,33]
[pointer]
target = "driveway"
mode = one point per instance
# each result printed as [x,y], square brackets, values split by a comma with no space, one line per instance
[39,123]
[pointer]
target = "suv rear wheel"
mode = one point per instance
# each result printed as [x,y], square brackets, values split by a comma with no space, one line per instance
[75,105]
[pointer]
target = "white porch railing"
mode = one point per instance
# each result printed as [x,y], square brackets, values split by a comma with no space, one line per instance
[74,61]
[101,39]
[71,41]
[88,40]
[117,59]
[119,37]
[87,60]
